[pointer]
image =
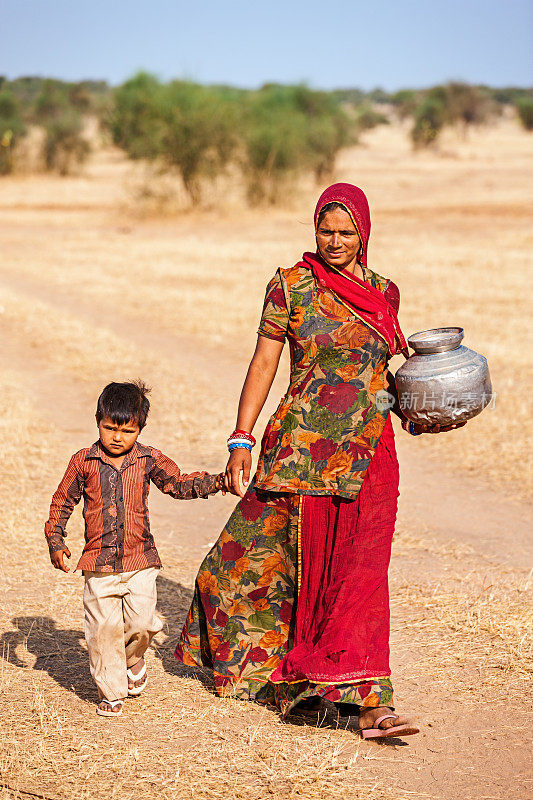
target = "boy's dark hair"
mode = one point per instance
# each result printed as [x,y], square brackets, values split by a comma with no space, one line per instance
[123,402]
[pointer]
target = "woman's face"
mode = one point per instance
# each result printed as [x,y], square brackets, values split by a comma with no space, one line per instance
[337,239]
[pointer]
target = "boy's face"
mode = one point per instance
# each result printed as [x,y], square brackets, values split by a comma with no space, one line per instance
[118,439]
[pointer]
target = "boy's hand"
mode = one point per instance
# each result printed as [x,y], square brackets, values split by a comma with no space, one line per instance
[219,483]
[57,559]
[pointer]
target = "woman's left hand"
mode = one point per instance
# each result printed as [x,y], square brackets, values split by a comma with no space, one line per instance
[419,428]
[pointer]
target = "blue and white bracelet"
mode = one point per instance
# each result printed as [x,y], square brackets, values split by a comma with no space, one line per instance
[241,439]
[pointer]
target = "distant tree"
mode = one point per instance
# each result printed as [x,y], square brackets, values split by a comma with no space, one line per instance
[181,125]
[64,145]
[199,133]
[524,107]
[288,130]
[468,105]
[379,96]
[57,108]
[12,129]
[451,104]
[366,117]
[405,102]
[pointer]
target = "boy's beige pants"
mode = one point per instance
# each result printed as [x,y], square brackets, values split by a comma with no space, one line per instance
[120,621]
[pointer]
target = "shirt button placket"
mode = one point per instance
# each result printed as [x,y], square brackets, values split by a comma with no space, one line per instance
[119,495]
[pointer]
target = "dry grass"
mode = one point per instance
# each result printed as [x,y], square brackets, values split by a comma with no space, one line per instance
[92,292]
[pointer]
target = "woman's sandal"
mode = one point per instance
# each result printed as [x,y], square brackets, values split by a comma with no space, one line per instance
[375,732]
[104,712]
[135,691]
[309,707]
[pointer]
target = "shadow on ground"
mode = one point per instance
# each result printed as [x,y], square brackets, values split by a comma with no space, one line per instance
[61,652]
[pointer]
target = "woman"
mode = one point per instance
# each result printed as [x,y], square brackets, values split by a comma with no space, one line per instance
[291,604]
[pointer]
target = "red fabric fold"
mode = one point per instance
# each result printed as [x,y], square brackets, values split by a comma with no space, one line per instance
[342,613]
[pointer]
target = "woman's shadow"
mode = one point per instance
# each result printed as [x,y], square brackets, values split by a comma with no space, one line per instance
[63,655]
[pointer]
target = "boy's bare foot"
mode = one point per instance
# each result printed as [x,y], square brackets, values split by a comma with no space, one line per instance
[109,708]
[135,686]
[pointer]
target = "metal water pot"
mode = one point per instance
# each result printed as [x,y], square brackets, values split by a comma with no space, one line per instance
[444,382]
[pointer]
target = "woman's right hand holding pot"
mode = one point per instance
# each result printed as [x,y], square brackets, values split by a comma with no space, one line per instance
[240,461]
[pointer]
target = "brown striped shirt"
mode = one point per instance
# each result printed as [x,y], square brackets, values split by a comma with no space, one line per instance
[115,507]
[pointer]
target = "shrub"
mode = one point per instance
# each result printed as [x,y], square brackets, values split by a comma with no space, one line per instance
[288,130]
[367,117]
[429,118]
[454,103]
[64,146]
[184,126]
[524,106]
[58,109]
[12,129]
[405,102]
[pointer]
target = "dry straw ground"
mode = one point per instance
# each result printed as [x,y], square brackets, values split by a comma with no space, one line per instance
[93,287]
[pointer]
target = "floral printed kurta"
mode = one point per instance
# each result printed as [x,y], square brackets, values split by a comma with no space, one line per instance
[326,428]
[320,441]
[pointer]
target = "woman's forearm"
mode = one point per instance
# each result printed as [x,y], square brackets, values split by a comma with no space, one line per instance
[261,373]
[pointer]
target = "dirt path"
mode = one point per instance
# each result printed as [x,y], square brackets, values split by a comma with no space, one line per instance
[454,533]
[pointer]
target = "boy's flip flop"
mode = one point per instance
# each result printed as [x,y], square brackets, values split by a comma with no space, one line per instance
[136,690]
[113,703]
[375,732]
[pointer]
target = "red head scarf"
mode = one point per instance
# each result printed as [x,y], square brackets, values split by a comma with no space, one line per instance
[368,303]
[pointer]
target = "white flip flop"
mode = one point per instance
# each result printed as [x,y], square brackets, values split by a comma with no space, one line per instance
[113,704]
[137,690]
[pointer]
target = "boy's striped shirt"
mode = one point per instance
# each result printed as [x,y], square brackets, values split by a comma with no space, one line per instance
[117,525]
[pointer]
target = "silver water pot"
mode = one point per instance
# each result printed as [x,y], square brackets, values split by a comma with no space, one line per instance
[443,382]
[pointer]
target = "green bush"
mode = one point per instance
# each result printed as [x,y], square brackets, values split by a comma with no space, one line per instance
[184,126]
[405,102]
[12,128]
[429,118]
[524,107]
[367,117]
[452,104]
[288,130]
[64,145]
[58,109]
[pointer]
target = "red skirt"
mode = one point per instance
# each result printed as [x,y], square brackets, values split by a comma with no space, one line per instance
[342,611]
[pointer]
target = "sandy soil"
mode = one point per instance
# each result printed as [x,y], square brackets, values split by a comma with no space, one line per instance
[91,291]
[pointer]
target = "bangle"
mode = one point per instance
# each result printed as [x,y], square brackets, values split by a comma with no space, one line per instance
[240,434]
[236,445]
[240,438]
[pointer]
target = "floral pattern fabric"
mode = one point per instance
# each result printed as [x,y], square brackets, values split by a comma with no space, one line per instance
[242,618]
[325,431]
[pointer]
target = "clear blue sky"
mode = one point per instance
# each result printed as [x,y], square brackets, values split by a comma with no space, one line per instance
[331,43]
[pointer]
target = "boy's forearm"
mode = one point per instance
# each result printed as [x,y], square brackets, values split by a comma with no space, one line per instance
[65,498]
[198,484]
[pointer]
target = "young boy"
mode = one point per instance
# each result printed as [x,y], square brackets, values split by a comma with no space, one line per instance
[119,561]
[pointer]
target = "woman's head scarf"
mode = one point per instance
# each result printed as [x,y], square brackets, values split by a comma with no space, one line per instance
[354,201]
[368,303]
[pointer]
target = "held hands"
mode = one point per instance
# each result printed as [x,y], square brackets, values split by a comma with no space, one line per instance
[240,460]
[220,483]
[57,559]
